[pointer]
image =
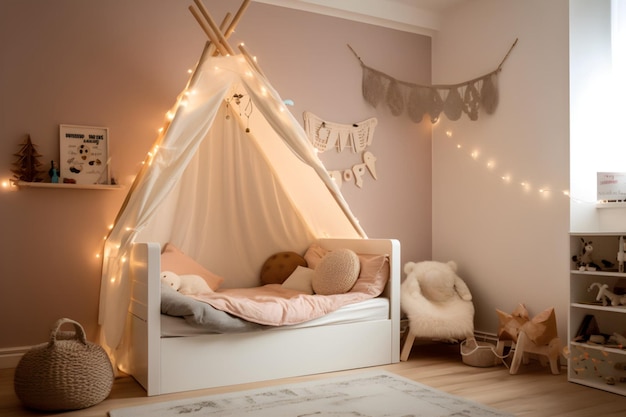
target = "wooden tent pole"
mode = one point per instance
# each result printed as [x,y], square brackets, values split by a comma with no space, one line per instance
[218,36]
[214,51]
[212,36]
[214,27]
[236,19]
[250,59]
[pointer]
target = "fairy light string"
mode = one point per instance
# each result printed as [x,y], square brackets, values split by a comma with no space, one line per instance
[505,176]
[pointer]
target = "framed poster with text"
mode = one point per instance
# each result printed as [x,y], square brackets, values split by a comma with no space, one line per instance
[84,154]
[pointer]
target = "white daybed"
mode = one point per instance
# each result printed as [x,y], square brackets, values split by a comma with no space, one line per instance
[172,364]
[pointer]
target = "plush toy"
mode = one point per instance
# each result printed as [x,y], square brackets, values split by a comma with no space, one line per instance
[436,301]
[584,260]
[188,284]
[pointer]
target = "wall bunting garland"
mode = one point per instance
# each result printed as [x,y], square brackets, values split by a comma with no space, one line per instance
[420,100]
[357,137]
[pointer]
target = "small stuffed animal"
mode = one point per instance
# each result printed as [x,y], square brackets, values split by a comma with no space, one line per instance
[171,279]
[188,284]
[584,260]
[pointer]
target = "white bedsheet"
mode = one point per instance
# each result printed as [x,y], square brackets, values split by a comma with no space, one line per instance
[372,309]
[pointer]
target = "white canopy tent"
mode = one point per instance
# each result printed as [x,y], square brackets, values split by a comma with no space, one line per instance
[227,183]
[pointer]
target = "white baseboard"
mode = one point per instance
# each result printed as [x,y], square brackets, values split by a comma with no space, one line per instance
[9,357]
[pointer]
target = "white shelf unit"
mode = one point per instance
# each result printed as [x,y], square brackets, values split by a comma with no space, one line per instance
[592,364]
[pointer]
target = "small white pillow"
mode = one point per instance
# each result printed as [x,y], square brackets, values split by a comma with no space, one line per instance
[300,280]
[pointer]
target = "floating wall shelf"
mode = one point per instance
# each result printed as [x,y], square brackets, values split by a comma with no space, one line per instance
[25,184]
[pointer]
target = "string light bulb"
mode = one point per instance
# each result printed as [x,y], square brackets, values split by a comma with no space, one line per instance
[507,178]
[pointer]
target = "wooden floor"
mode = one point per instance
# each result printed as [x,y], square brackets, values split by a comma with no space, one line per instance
[533,391]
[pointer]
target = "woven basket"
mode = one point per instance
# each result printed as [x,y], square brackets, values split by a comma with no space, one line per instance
[480,354]
[67,373]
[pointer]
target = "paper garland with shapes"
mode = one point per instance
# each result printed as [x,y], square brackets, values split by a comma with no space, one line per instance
[420,100]
[357,137]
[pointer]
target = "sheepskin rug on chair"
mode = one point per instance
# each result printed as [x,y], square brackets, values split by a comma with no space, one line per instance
[437,301]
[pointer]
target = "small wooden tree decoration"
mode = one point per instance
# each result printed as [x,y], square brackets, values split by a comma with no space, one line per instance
[26,168]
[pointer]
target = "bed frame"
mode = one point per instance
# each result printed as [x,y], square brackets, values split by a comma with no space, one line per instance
[174,364]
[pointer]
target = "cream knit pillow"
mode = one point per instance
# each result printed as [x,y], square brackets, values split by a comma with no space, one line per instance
[336,273]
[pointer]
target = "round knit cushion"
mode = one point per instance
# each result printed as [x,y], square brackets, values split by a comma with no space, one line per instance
[279,266]
[336,273]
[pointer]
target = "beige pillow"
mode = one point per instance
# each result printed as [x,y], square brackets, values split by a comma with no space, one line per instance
[172,259]
[300,280]
[336,272]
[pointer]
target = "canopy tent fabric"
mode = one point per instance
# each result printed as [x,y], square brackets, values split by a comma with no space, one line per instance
[226,189]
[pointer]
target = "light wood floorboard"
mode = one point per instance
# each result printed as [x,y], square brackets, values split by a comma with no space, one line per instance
[533,391]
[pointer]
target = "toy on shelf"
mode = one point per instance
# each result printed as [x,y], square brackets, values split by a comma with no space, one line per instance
[605,295]
[53,172]
[26,167]
[583,260]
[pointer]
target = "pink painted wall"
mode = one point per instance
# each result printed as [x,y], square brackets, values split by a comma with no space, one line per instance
[120,64]
[510,241]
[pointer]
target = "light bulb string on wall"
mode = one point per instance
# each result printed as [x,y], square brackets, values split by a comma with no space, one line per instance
[419,99]
[507,178]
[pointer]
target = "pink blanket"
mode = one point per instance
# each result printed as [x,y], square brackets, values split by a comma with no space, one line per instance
[275,305]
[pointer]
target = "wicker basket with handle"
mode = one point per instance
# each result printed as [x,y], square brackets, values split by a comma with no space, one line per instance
[67,373]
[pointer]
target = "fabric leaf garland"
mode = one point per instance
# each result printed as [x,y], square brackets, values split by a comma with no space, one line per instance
[489,94]
[452,100]
[453,107]
[373,88]
[395,101]
[417,106]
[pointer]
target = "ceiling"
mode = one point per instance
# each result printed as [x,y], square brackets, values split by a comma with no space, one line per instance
[417,16]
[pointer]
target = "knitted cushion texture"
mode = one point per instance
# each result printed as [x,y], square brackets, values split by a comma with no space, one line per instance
[336,273]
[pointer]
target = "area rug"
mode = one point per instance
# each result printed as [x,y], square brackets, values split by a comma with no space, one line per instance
[367,394]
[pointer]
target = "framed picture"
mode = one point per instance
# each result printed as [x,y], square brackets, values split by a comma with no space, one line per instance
[84,154]
[611,186]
